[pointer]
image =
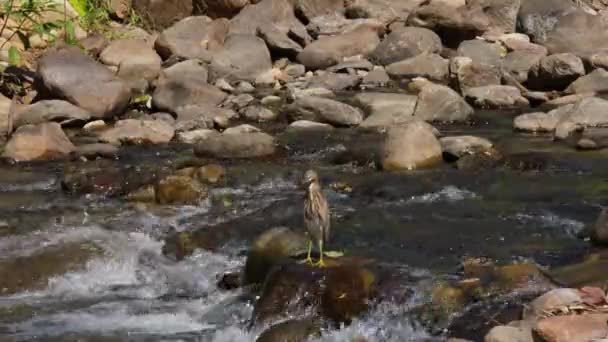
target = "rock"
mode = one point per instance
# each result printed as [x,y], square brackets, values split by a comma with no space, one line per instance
[503,333]
[551,300]
[92,151]
[538,122]
[599,59]
[467,74]
[411,146]
[160,13]
[556,72]
[570,34]
[599,234]
[58,111]
[519,63]
[458,146]
[192,38]
[193,117]
[430,66]
[386,109]
[270,249]
[375,78]
[38,142]
[243,58]
[245,145]
[211,173]
[258,113]
[193,137]
[134,58]
[496,96]
[278,42]
[5,121]
[588,112]
[295,70]
[440,103]
[132,131]
[291,330]
[502,15]
[320,109]
[184,84]
[69,74]
[354,64]
[572,328]
[335,24]
[242,129]
[329,51]
[537,17]
[219,9]
[309,125]
[406,43]
[317,92]
[314,8]
[385,11]
[239,102]
[453,24]
[179,190]
[481,52]
[333,81]
[595,82]
[93,44]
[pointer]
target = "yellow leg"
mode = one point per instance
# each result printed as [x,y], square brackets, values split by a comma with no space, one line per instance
[320,264]
[308,258]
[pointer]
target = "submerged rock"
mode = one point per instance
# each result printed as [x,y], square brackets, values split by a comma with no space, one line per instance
[458,146]
[291,330]
[180,190]
[572,328]
[595,82]
[588,112]
[599,234]
[496,96]
[411,146]
[440,103]
[386,109]
[236,145]
[132,131]
[38,142]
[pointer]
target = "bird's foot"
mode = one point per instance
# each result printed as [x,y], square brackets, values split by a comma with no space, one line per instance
[320,264]
[308,261]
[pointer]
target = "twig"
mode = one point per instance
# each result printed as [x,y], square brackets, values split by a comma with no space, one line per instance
[5,23]
[11,113]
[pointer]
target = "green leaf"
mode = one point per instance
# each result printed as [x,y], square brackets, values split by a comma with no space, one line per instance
[14,56]
[80,6]
[70,33]
[333,254]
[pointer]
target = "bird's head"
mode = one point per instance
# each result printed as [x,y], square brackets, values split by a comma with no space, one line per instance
[310,177]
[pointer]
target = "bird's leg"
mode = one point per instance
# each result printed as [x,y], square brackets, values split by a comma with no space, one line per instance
[320,264]
[308,258]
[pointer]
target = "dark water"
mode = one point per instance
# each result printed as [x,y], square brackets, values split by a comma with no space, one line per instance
[97,273]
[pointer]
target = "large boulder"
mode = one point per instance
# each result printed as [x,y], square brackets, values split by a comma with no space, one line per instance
[496,96]
[502,14]
[556,71]
[405,43]
[572,328]
[219,8]
[310,9]
[38,142]
[440,103]
[571,34]
[538,17]
[192,37]
[411,146]
[458,146]
[336,24]
[331,50]
[69,74]
[320,109]
[594,82]
[599,234]
[504,333]
[135,59]
[538,121]
[481,52]
[162,13]
[134,132]
[430,66]
[243,58]
[466,74]
[519,63]
[236,145]
[386,109]
[385,11]
[588,112]
[333,81]
[43,111]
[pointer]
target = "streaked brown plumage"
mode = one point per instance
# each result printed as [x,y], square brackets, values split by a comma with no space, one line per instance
[316,214]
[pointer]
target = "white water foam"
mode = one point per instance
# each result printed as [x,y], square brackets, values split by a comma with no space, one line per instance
[550,220]
[449,193]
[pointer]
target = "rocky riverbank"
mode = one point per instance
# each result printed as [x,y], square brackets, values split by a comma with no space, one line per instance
[375,92]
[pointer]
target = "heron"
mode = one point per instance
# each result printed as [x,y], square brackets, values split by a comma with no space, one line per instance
[316,215]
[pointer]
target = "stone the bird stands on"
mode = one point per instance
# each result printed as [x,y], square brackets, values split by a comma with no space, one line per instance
[316,215]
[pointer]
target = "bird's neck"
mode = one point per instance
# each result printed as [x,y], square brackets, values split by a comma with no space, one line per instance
[312,188]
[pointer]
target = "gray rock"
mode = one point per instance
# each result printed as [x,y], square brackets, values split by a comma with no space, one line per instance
[385,11]
[411,146]
[329,51]
[519,63]
[320,109]
[92,151]
[336,24]
[258,113]
[133,57]
[239,101]
[595,82]
[481,52]
[194,137]
[588,112]
[375,78]
[38,142]
[571,34]
[5,121]
[599,234]
[69,74]
[243,58]
[503,333]
[538,122]
[386,109]
[496,96]
[162,13]
[192,117]
[556,71]
[502,14]
[599,59]
[358,64]
[244,145]
[406,43]
[219,8]
[538,17]
[58,111]
[310,9]
[333,81]
[278,42]
[135,132]
[193,70]
[430,66]
[295,70]
[310,125]
[468,74]
[440,103]
[458,146]
[192,38]
[551,300]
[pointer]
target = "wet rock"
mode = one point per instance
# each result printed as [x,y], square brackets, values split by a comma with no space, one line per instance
[386,109]
[537,122]
[159,13]
[242,129]
[481,52]
[503,333]
[599,234]
[71,75]
[570,34]
[230,281]
[458,146]
[519,63]
[593,138]
[430,66]
[550,301]
[406,43]
[243,58]
[193,117]
[135,59]
[411,146]
[185,84]
[270,249]
[239,145]
[440,103]
[572,328]
[556,72]
[537,17]
[496,96]
[192,38]
[309,125]
[588,112]
[62,112]
[595,82]
[468,74]
[38,142]
[336,24]
[329,51]
[258,113]
[211,174]
[92,151]
[313,108]
[478,162]
[195,136]
[355,64]
[219,9]
[291,330]
[180,190]
[133,131]
[385,11]
[333,81]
